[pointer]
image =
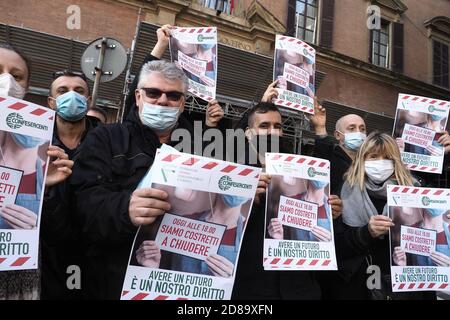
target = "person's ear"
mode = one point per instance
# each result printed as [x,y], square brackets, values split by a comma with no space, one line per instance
[89,102]
[248,133]
[338,135]
[137,95]
[51,102]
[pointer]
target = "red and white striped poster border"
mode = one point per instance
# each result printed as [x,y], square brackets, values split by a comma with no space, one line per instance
[312,162]
[420,191]
[297,262]
[302,43]
[14,261]
[136,295]
[198,30]
[31,109]
[294,106]
[210,164]
[407,286]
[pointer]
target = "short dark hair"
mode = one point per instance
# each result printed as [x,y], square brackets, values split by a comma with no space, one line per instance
[21,54]
[69,73]
[99,110]
[262,107]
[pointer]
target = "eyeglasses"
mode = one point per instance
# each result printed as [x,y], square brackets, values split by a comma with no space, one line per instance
[68,73]
[153,93]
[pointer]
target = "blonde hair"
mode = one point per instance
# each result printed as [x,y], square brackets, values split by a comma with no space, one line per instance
[381,143]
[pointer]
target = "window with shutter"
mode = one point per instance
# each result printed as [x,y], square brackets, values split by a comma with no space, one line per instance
[440,64]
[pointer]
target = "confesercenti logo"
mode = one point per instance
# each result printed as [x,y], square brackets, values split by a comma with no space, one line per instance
[226,183]
[16,121]
[432,108]
[426,201]
[201,37]
[312,173]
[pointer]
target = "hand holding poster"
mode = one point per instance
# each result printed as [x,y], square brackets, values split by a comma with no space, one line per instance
[419,123]
[420,250]
[191,252]
[299,228]
[195,51]
[26,130]
[294,68]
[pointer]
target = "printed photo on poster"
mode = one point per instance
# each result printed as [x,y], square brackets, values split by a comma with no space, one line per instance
[419,124]
[195,231]
[294,69]
[26,130]
[420,239]
[196,243]
[298,223]
[195,51]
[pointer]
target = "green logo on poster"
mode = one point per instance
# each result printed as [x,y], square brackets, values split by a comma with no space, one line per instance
[426,201]
[432,108]
[226,183]
[14,120]
[312,173]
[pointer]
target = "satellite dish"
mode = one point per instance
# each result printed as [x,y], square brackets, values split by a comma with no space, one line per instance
[112,60]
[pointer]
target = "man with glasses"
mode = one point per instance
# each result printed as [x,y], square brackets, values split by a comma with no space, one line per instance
[113,161]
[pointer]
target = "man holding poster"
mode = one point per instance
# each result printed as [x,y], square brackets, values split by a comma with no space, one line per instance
[420,241]
[114,160]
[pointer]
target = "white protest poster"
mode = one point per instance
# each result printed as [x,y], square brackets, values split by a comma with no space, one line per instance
[294,68]
[299,223]
[420,239]
[26,130]
[191,252]
[419,123]
[195,51]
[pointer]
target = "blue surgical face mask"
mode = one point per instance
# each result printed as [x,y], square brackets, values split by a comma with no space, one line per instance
[159,118]
[27,142]
[71,106]
[436,117]
[435,212]
[318,184]
[354,140]
[233,201]
[206,46]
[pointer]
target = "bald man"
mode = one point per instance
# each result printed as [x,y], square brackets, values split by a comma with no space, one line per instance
[350,132]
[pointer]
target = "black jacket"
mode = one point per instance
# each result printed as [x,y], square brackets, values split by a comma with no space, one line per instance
[60,236]
[252,281]
[112,162]
[325,148]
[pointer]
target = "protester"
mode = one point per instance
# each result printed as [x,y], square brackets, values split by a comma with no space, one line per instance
[252,281]
[69,96]
[377,164]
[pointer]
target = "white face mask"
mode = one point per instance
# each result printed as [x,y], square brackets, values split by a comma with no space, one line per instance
[159,118]
[379,170]
[10,87]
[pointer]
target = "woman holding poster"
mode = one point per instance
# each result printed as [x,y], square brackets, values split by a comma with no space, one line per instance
[364,194]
